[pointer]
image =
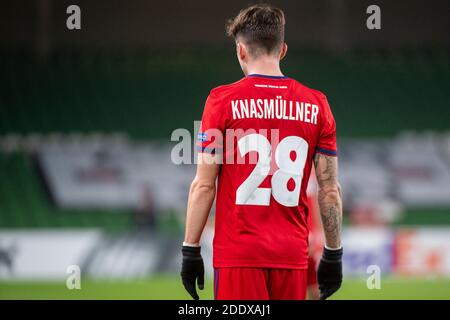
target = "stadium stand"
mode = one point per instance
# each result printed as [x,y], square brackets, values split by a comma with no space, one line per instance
[24,204]
[148,95]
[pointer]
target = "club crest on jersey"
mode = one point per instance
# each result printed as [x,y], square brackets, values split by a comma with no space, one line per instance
[202,136]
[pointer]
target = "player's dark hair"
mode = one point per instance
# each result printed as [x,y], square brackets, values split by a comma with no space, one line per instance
[260,26]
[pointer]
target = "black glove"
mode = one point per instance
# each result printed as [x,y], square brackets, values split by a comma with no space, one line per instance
[192,269]
[329,273]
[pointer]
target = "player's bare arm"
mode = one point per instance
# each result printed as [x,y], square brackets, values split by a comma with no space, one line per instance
[329,273]
[201,198]
[329,197]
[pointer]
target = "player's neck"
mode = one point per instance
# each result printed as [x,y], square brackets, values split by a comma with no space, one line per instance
[267,67]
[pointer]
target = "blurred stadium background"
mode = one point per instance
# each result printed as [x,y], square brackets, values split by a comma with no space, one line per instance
[86,118]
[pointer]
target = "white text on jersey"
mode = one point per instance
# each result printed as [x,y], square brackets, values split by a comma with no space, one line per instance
[274,109]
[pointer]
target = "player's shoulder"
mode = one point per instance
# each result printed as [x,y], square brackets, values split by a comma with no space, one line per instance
[226,89]
[309,91]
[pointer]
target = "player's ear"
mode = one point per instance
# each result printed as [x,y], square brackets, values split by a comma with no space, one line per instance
[241,51]
[284,49]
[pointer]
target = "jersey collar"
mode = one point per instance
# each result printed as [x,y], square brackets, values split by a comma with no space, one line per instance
[265,76]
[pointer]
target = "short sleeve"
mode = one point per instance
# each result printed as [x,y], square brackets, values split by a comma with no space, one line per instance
[327,137]
[212,128]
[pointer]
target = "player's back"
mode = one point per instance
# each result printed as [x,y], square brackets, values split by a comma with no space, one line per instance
[272,127]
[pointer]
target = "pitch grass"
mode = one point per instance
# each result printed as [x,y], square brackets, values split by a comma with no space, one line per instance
[169,287]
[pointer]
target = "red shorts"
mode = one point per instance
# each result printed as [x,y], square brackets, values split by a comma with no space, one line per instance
[259,284]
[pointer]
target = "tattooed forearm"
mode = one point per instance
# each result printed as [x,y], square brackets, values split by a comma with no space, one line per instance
[331,221]
[329,197]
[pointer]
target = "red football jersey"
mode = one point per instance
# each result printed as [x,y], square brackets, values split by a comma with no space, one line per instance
[271,127]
